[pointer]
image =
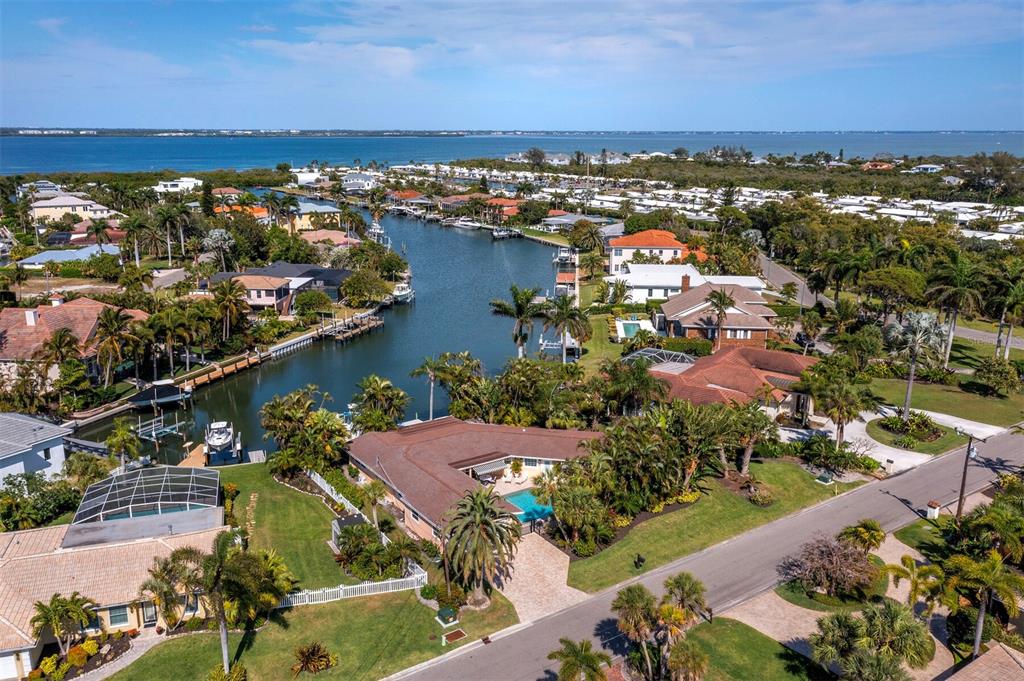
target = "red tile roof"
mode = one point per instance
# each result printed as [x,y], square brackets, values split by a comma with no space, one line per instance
[735,374]
[499,201]
[565,278]
[649,238]
[690,308]
[226,191]
[555,212]
[19,341]
[405,194]
[255,211]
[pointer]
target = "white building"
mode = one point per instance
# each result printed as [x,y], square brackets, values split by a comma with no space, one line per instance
[180,186]
[358,182]
[659,282]
[55,208]
[652,242]
[30,445]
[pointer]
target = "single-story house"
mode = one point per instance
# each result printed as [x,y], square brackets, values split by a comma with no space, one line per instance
[55,208]
[24,330]
[259,212]
[658,282]
[688,314]
[739,374]
[30,445]
[227,192]
[429,466]
[651,242]
[555,223]
[123,524]
[334,237]
[403,196]
[451,203]
[36,262]
[179,186]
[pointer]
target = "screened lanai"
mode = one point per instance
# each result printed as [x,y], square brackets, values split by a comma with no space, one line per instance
[149,491]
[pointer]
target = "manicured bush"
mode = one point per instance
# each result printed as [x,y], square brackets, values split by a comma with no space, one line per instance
[60,672]
[762,496]
[91,646]
[698,347]
[238,673]
[429,591]
[905,442]
[48,665]
[455,600]
[77,656]
[195,624]
[584,548]
[937,375]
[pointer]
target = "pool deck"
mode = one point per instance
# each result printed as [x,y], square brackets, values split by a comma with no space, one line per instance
[505,487]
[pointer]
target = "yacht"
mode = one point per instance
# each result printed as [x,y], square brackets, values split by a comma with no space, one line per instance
[219,436]
[563,255]
[466,223]
[403,293]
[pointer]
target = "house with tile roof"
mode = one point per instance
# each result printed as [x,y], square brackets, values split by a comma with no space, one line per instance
[689,315]
[24,330]
[56,207]
[660,282]
[108,568]
[659,243]
[739,374]
[427,467]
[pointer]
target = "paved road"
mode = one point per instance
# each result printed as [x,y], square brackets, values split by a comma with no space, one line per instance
[778,276]
[987,336]
[733,571]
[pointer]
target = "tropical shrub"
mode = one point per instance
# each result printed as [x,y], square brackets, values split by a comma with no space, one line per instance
[584,548]
[237,673]
[429,591]
[49,664]
[830,565]
[998,376]
[91,646]
[698,347]
[77,656]
[762,496]
[905,442]
[35,674]
[60,672]
[195,624]
[937,375]
[313,658]
[454,599]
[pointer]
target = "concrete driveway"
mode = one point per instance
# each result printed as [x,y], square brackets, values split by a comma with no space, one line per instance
[537,585]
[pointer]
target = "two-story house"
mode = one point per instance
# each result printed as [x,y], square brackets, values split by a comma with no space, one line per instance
[30,445]
[659,243]
[55,208]
[182,185]
[263,292]
[689,315]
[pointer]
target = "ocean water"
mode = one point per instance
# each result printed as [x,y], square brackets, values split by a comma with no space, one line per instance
[21,154]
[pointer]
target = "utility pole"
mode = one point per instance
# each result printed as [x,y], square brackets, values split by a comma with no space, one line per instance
[971,453]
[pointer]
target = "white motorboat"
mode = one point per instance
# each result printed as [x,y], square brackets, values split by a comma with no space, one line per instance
[219,436]
[563,255]
[375,231]
[403,293]
[466,223]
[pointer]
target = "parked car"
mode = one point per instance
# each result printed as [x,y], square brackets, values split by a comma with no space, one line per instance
[804,341]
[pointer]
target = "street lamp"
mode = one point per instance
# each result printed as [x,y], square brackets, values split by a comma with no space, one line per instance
[971,453]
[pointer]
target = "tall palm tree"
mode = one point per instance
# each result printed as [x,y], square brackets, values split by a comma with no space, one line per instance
[171,323]
[567,319]
[957,289]
[430,368]
[634,607]
[687,662]
[481,540]
[18,276]
[113,332]
[229,299]
[373,494]
[167,218]
[61,346]
[984,579]
[523,309]
[289,208]
[918,339]
[97,229]
[163,587]
[134,227]
[843,402]
[753,426]
[925,581]
[867,534]
[272,202]
[123,442]
[578,661]
[721,302]
[687,592]
[632,386]
[591,262]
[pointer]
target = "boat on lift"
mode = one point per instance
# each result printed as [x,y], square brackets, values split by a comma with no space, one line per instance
[563,255]
[221,444]
[403,293]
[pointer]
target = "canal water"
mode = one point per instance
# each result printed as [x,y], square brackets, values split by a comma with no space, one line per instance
[455,274]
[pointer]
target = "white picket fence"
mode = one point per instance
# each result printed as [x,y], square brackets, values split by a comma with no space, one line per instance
[416,577]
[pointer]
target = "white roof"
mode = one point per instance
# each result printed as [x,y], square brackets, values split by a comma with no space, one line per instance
[753,283]
[63,200]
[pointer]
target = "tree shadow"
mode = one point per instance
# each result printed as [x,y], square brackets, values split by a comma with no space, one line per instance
[607,630]
[799,666]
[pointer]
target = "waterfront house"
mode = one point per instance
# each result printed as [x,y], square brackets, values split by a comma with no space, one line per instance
[688,314]
[499,209]
[358,183]
[659,243]
[55,208]
[39,189]
[229,193]
[302,219]
[563,220]
[277,284]
[24,330]
[333,237]
[660,282]
[263,292]
[261,213]
[123,523]
[30,445]
[36,262]
[427,467]
[182,185]
[739,374]
[449,204]
[403,196]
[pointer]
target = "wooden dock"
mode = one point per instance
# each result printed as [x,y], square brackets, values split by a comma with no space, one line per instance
[354,327]
[195,457]
[218,372]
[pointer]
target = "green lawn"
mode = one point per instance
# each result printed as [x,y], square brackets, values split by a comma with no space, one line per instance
[926,537]
[953,400]
[796,594]
[716,517]
[296,525]
[968,353]
[947,441]
[373,637]
[737,652]
[599,347]
[547,236]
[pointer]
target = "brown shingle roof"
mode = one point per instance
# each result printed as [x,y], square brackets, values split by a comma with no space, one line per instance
[690,308]
[260,281]
[421,462]
[19,341]
[33,567]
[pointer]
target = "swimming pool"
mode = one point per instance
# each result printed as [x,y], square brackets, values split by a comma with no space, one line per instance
[629,329]
[531,510]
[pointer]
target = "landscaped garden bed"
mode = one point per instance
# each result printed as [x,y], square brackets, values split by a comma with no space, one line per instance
[91,654]
[797,594]
[919,434]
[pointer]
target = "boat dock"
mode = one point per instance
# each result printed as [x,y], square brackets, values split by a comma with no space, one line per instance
[220,371]
[346,330]
[195,458]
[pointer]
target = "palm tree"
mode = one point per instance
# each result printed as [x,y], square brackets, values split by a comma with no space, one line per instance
[289,207]
[171,323]
[918,339]
[63,617]
[523,308]
[632,386]
[843,402]
[578,661]
[1013,304]
[376,393]
[163,588]
[753,426]
[167,217]
[313,659]
[566,319]
[272,202]
[721,302]
[61,346]
[134,227]
[867,535]
[956,289]
[481,540]
[229,298]
[687,592]
[984,579]
[97,229]
[591,262]
[811,324]
[894,632]
[18,276]
[113,333]
[123,442]
[634,606]
[837,640]
[373,494]
[429,368]
[135,280]
[687,662]
[924,580]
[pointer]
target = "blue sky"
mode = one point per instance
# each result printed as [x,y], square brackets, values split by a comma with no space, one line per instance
[566,65]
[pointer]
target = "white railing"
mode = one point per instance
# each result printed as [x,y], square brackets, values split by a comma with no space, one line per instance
[329,490]
[417,579]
